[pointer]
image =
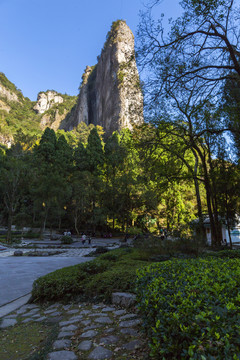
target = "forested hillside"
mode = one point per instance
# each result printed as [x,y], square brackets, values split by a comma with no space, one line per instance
[19,121]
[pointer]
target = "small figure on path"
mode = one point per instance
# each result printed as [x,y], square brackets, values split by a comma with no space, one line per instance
[83,238]
[89,240]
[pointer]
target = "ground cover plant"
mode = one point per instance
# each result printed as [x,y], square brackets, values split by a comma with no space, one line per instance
[191,308]
[94,280]
[27,341]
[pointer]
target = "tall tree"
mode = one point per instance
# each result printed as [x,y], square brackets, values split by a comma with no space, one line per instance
[114,165]
[12,183]
[202,43]
[51,188]
[188,69]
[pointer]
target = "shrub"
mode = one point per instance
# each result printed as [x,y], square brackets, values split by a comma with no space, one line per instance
[232,254]
[31,235]
[191,308]
[93,267]
[92,280]
[62,283]
[153,246]
[114,279]
[66,239]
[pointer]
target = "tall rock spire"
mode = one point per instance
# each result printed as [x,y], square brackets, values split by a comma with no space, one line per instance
[110,94]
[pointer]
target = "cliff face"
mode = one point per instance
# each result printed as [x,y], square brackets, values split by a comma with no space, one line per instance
[52,121]
[46,100]
[7,94]
[110,94]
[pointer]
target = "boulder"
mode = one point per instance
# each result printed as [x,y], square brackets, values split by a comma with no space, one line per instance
[18,253]
[123,299]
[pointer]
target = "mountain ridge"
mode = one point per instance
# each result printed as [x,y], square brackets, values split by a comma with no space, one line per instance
[110,95]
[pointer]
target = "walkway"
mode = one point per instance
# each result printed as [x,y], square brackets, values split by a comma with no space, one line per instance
[86,332]
[17,274]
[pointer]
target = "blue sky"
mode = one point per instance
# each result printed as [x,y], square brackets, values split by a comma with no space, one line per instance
[47,44]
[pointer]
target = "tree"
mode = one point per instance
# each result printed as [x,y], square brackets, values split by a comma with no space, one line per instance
[171,170]
[227,189]
[188,69]
[12,183]
[231,109]
[87,182]
[115,155]
[51,190]
[203,44]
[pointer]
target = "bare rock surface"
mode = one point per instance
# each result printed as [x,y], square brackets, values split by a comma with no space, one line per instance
[104,320]
[123,299]
[8,322]
[85,345]
[46,100]
[110,93]
[100,353]
[61,344]
[62,355]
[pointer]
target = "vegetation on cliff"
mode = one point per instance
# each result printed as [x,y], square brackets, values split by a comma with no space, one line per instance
[18,120]
[10,86]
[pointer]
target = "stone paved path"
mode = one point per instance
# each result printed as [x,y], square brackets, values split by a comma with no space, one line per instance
[65,252]
[86,331]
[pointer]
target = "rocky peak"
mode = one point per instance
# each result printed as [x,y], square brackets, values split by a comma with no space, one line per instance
[8,90]
[6,93]
[46,100]
[110,94]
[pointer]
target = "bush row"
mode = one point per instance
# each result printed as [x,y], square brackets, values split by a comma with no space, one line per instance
[191,308]
[90,281]
[233,254]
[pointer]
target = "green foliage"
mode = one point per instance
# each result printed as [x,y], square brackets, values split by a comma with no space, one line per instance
[61,284]
[191,308]
[97,279]
[31,235]
[65,239]
[10,86]
[20,119]
[50,191]
[231,254]
[153,248]
[94,152]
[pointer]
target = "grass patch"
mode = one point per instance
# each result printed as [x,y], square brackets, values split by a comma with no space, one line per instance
[31,341]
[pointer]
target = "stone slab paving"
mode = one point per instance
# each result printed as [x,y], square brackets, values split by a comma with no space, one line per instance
[112,333]
[64,252]
[22,271]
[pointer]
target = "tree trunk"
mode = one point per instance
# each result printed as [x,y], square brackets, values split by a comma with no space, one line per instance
[228,225]
[76,223]
[202,232]
[216,240]
[9,230]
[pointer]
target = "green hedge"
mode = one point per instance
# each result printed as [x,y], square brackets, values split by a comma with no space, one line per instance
[92,280]
[232,254]
[191,308]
